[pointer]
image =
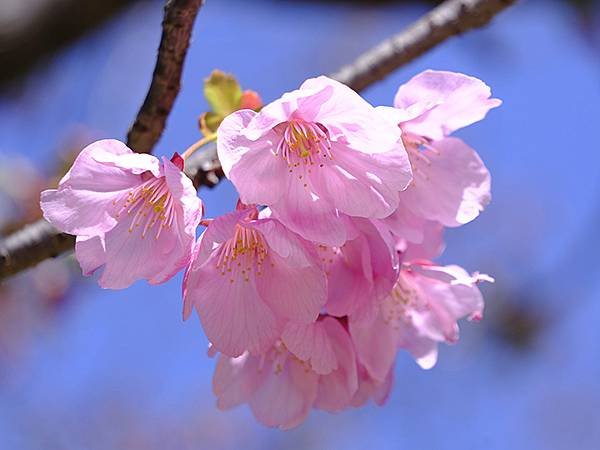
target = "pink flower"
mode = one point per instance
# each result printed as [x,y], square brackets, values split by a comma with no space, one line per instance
[371,388]
[437,103]
[248,276]
[132,214]
[313,156]
[451,185]
[421,311]
[361,272]
[428,246]
[311,366]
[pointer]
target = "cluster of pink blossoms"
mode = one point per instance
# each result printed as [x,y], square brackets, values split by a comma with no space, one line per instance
[324,271]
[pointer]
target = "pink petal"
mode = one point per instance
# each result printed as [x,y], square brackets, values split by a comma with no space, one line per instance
[451,185]
[186,199]
[219,231]
[427,359]
[232,313]
[352,119]
[130,257]
[376,345]
[337,388]
[246,161]
[284,399]
[465,297]
[422,346]
[363,273]
[370,388]
[382,390]
[236,379]
[446,102]
[311,342]
[442,295]
[348,287]
[291,280]
[84,203]
[366,185]
[304,103]
[90,253]
[405,224]
[431,246]
[311,217]
[115,156]
[295,250]
[296,293]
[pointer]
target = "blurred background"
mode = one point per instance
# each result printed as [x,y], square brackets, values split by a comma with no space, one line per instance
[82,368]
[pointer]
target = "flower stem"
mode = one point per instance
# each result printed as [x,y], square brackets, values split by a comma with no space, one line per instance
[198,144]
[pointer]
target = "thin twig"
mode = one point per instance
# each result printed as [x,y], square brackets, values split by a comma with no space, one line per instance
[34,243]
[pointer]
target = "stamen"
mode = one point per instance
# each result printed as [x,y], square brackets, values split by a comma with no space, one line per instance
[396,309]
[152,203]
[419,149]
[245,251]
[303,144]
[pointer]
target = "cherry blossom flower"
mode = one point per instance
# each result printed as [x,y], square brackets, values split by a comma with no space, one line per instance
[248,276]
[361,272]
[132,214]
[308,290]
[313,156]
[370,388]
[421,311]
[451,185]
[311,366]
[428,246]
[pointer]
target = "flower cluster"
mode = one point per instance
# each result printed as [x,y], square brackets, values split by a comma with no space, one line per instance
[308,290]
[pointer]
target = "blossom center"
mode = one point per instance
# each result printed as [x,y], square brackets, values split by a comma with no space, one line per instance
[303,144]
[278,356]
[329,255]
[150,205]
[396,308]
[243,254]
[419,151]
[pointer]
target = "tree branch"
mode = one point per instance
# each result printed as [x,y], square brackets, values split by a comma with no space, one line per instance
[451,18]
[151,119]
[34,243]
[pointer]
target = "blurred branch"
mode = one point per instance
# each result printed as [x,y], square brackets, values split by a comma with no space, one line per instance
[29,37]
[451,18]
[204,167]
[30,246]
[39,241]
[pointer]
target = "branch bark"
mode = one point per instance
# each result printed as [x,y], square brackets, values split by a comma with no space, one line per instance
[34,243]
[177,27]
[451,18]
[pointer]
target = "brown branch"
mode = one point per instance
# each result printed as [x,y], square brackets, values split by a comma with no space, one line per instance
[39,241]
[151,119]
[451,18]
[31,245]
